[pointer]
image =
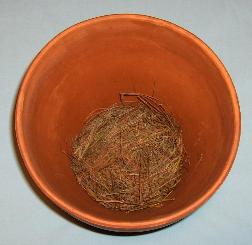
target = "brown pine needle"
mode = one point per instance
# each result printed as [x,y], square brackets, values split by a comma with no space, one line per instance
[129,156]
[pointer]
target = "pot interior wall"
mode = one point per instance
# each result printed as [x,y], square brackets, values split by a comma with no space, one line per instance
[87,69]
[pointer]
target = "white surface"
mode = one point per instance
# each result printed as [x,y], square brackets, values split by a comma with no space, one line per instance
[26,26]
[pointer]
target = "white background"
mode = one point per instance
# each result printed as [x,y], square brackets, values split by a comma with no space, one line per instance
[26,26]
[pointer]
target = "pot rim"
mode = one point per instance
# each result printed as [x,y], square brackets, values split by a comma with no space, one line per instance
[127,226]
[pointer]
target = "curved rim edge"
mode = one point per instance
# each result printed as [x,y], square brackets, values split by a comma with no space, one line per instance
[128,226]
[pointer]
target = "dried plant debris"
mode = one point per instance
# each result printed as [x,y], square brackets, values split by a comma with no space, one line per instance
[129,156]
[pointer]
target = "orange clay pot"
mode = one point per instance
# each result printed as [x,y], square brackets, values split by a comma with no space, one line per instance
[85,68]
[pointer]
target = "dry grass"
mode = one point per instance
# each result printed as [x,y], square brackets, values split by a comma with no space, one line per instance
[129,156]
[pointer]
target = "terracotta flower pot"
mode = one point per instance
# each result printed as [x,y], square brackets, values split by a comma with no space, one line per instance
[85,67]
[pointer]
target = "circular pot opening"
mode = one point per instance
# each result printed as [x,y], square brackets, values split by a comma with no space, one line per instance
[85,68]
